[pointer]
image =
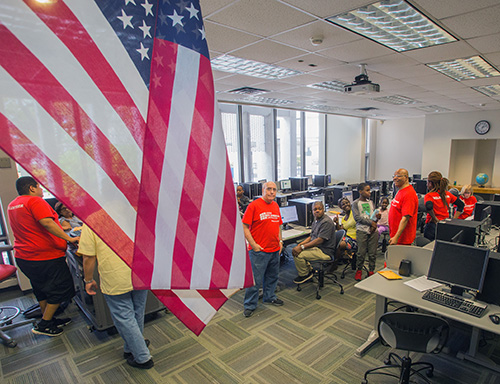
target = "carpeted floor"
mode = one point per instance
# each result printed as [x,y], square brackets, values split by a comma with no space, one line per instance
[304,341]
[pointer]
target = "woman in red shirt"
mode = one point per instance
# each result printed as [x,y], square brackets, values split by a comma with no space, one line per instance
[437,203]
[469,201]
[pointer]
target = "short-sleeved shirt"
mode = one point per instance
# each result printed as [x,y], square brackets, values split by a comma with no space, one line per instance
[115,275]
[32,241]
[405,203]
[264,222]
[349,225]
[469,205]
[325,229]
[440,210]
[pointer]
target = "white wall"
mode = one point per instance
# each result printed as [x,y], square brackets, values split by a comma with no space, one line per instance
[345,149]
[440,129]
[399,144]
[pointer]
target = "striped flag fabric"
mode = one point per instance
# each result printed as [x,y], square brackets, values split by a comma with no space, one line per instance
[110,105]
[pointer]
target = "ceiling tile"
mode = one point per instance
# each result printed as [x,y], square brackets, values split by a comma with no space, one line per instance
[473,24]
[224,39]
[445,8]
[266,50]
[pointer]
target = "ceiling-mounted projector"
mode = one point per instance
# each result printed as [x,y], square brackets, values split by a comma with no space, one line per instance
[362,84]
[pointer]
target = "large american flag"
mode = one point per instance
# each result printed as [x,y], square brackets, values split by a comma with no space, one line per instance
[110,104]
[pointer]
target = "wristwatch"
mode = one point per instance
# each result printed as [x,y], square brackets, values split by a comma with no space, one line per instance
[88,282]
[302,246]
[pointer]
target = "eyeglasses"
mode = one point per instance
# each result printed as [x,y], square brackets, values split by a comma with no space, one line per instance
[397,176]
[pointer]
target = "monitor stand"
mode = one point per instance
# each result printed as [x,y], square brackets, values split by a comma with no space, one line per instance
[286,226]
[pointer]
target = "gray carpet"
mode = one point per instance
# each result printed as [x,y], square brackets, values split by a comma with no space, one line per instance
[304,341]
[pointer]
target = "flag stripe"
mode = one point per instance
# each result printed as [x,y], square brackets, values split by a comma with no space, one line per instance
[41,129]
[169,194]
[23,151]
[194,179]
[94,63]
[103,35]
[29,72]
[51,52]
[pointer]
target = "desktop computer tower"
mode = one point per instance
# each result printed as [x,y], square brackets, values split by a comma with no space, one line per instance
[252,189]
[321,180]
[490,293]
[304,210]
[299,183]
[375,196]
[282,199]
[333,194]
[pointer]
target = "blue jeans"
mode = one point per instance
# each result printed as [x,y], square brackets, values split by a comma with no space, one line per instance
[127,311]
[265,268]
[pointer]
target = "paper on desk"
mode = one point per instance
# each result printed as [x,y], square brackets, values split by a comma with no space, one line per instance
[422,284]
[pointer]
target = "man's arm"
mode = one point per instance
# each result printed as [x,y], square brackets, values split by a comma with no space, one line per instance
[49,224]
[246,230]
[88,274]
[401,228]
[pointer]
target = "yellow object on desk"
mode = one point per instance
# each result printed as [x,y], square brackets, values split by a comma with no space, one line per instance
[390,275]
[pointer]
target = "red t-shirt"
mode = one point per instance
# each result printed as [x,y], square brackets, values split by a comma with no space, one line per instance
[264,221]
[405,203]
[470,204]
[32,240]
[440,210]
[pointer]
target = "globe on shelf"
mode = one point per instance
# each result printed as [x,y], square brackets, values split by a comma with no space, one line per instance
[481,179]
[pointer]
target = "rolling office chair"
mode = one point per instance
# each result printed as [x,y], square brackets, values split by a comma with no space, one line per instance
[351,265]
[9,313]
[413,332]
[320,269]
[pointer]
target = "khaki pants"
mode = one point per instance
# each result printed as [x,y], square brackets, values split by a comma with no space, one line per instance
[309,254]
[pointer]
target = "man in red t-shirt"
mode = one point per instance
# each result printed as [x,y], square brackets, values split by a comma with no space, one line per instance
[261,226]
[404,211]
[40,250]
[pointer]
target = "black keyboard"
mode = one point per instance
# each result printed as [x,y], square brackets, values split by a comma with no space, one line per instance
[470,307]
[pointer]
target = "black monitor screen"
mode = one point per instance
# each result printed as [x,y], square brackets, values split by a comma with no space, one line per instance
[289,214]
[460,266]
[420,186]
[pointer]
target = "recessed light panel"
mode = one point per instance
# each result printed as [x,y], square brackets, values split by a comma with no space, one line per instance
[395,24]
[488,90]
[248,91]
[266,100]
[433,108]
[334,85]
[397,100]
[232,64]
[474,67]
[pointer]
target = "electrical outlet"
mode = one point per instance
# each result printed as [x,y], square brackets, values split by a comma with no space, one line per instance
[5,162]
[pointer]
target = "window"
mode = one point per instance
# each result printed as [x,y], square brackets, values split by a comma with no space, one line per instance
[258,143]
[314,156]
[229,118]
[288,143]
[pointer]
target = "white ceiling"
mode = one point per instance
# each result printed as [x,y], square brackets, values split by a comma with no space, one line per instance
[279,31]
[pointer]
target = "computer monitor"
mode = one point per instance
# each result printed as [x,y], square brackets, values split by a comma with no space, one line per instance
[348,195]
[462,267]
[420,186]
[285,185]
[417,176]
[289,214]
[321,181]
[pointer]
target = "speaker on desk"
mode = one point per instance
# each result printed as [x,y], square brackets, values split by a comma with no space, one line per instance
[491,287]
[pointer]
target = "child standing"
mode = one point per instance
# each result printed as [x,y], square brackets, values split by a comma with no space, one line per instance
[381,215]
[366,230]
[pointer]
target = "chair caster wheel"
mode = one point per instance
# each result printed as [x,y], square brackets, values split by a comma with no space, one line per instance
[429,373]
[387,361]
[342,291]
[318,297]
[298,288]
[364,381]
[11,344]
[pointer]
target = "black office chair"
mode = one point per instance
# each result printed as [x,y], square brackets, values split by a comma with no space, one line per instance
[351,265]
[413,332]
[322,269]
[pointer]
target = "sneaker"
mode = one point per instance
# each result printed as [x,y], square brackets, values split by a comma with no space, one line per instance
[50,329]
[126,355]
[303,279]
[147,365]
[370,273]
[248,312]
[277,302]
[61,322]
[359,275]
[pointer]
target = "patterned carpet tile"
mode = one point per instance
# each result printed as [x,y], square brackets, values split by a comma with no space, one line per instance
[287,335]
[59,372]
[205,371]
[250,355]
[176,356]
[286,371]
[219,335]
[349,331]
[315,316]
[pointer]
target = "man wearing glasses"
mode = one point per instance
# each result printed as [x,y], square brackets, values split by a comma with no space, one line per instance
[404,210]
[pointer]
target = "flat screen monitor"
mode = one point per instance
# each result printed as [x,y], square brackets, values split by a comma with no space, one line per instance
[460,266]
[417,176]
[289,214]
[348,195]
[285,185]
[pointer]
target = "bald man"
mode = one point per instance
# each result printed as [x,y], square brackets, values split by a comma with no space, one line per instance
[404,210]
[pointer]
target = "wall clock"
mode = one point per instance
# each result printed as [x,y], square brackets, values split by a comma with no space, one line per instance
[482,127]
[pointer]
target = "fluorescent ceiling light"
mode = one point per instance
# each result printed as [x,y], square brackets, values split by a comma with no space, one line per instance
[266,100]
[395,24]
[433,108]
[232,64]
[334,85]
[248,91]
[488,90]
[474,67]
[397,100]
[321,107]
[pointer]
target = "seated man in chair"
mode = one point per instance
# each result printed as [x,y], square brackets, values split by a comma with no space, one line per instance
[320,245]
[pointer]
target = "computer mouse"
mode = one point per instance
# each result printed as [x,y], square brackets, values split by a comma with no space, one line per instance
[495,319]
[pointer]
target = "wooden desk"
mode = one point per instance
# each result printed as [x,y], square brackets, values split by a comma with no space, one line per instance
[478,189]
[396,290]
